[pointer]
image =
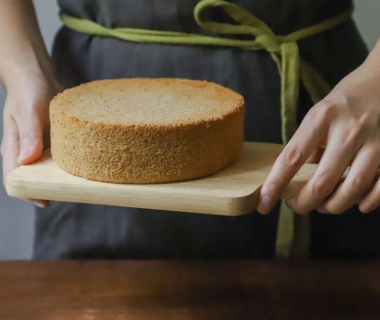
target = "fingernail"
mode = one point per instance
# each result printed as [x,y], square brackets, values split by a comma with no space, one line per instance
[266,203]
[288,203]
[366,207]
[38,204]
[24,154]
[322,210]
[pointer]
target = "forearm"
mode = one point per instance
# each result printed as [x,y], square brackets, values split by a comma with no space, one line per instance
[22,49]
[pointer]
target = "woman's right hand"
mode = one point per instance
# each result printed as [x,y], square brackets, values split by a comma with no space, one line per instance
[26,122]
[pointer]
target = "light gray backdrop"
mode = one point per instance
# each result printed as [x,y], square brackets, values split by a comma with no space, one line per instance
[16,218]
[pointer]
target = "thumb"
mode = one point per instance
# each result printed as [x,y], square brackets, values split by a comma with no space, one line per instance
[9,150]
[31,144]
[9,147]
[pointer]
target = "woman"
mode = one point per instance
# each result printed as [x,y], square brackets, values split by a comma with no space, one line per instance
[344,124]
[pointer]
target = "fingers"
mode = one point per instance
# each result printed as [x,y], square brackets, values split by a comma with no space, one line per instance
[295,154]
[372,200]
[37,203]
[336,158]
[316,156]
[10,153]
[31,140]
[357,183]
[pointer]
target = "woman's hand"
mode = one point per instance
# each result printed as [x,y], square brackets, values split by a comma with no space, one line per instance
[27,74]
[26,122]
[347,125]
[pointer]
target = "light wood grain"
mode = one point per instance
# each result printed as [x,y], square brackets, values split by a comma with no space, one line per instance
[234,191]
[189,290]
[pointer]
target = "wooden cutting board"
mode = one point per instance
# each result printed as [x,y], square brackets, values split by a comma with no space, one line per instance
[233,191]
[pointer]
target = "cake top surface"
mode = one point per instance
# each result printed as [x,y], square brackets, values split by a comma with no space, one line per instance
[146,101]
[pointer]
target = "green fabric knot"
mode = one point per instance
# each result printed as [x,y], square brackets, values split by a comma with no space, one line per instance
[283,49]
[270,43]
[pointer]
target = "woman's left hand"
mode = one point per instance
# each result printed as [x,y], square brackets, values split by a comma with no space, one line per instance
[346,124]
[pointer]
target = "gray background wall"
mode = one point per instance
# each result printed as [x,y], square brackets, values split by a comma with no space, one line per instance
[16,218]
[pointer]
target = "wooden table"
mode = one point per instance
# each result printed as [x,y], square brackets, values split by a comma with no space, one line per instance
[189,290]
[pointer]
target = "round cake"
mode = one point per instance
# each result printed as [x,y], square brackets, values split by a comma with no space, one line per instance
[144,131]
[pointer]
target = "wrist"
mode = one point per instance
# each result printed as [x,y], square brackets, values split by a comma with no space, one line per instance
[29,65]
[372,63]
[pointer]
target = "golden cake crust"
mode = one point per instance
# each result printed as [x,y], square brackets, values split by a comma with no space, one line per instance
[146,130]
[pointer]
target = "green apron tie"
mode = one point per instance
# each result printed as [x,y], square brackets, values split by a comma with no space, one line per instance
[283,49]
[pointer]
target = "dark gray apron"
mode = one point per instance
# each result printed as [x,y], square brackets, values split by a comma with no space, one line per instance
[90,231]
